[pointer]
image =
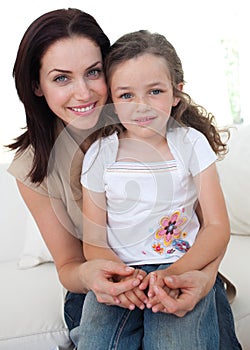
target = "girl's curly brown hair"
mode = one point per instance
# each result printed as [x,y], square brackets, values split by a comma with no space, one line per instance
[187,112]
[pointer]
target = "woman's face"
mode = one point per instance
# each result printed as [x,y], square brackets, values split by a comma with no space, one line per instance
[72,81]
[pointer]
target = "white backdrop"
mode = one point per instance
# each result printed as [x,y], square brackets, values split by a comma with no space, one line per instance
[194,27]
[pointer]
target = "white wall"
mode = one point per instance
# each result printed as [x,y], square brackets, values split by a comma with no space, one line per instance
[194,27]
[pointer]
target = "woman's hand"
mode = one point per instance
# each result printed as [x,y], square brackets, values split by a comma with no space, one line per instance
[97,275]
[134,297]
[194,285]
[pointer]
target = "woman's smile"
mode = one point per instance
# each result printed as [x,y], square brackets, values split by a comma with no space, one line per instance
[72,81]
[83,110]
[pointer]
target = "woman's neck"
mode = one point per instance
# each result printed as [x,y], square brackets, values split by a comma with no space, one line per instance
[84,138]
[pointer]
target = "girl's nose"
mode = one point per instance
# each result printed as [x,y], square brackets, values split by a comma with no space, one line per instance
[142,104]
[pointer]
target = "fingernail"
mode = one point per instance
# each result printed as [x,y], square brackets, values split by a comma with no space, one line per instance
[128,268]
[136,282]
[169,279]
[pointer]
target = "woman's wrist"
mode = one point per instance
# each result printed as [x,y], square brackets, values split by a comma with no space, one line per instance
[85,270]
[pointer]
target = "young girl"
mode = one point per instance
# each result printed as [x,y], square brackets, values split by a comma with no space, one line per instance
[141,186]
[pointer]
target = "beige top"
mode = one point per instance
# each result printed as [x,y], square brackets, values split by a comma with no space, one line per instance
[63,181]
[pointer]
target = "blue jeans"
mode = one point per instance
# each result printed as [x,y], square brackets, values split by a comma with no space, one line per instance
[228,339]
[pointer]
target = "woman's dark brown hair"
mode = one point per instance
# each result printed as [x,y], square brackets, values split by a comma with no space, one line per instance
[40,35]
[186,112]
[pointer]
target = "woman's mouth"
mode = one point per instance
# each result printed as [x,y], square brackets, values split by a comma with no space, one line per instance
[83,109]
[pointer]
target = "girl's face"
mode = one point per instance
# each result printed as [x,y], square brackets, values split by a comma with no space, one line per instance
[142,92]
[72,81]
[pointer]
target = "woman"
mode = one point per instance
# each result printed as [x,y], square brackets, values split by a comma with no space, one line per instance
[59,79]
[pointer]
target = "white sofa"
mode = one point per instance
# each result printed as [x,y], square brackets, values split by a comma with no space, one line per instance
[31,303]
[234,172]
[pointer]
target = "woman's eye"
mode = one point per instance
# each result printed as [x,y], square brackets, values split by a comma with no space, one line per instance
[94,73]
[126,95]
[155,92]
[61,79]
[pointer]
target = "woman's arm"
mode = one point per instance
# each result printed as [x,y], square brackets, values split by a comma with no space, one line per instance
[214,234]
[95,243]
[74,272]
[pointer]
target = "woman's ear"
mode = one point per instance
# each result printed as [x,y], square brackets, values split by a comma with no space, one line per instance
[37,89]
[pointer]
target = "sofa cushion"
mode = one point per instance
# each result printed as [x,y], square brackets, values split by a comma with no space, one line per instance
[32,304]
[34,251]
[12,217]
[235,266]
[234,171]
[19,235]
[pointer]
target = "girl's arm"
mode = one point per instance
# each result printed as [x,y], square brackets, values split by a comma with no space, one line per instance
[214,234]
[95,243]
[207,251]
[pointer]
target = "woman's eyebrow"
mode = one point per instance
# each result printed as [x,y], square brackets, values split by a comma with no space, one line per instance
[59,70]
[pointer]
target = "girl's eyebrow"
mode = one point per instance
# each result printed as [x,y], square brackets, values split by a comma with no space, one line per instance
[121,88]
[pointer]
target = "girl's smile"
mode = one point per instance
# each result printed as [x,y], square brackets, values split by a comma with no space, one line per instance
[144,121]
[142,92]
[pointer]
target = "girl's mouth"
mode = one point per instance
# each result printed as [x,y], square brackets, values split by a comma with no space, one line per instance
[144,120]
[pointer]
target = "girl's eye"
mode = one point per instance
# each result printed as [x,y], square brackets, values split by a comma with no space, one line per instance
[155,92]
[94,73]
[61,79]
[126,95]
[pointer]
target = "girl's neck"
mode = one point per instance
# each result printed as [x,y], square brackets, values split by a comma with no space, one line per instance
[150,149]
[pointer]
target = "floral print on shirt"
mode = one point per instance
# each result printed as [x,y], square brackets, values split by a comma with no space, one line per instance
[170,233]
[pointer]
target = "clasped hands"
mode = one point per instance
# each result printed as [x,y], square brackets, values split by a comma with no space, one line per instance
[152,291]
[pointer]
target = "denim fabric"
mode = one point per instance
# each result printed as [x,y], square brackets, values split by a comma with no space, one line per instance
[228,339]
[111,327]
[73,309]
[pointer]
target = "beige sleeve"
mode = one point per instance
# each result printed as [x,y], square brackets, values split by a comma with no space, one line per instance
[20,168]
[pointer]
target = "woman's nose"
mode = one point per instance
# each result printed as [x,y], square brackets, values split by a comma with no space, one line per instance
[82,90]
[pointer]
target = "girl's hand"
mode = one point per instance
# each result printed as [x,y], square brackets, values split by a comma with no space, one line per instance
[157,279]
[134,297]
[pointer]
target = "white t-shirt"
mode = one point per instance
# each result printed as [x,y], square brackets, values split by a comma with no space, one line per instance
[151,215]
